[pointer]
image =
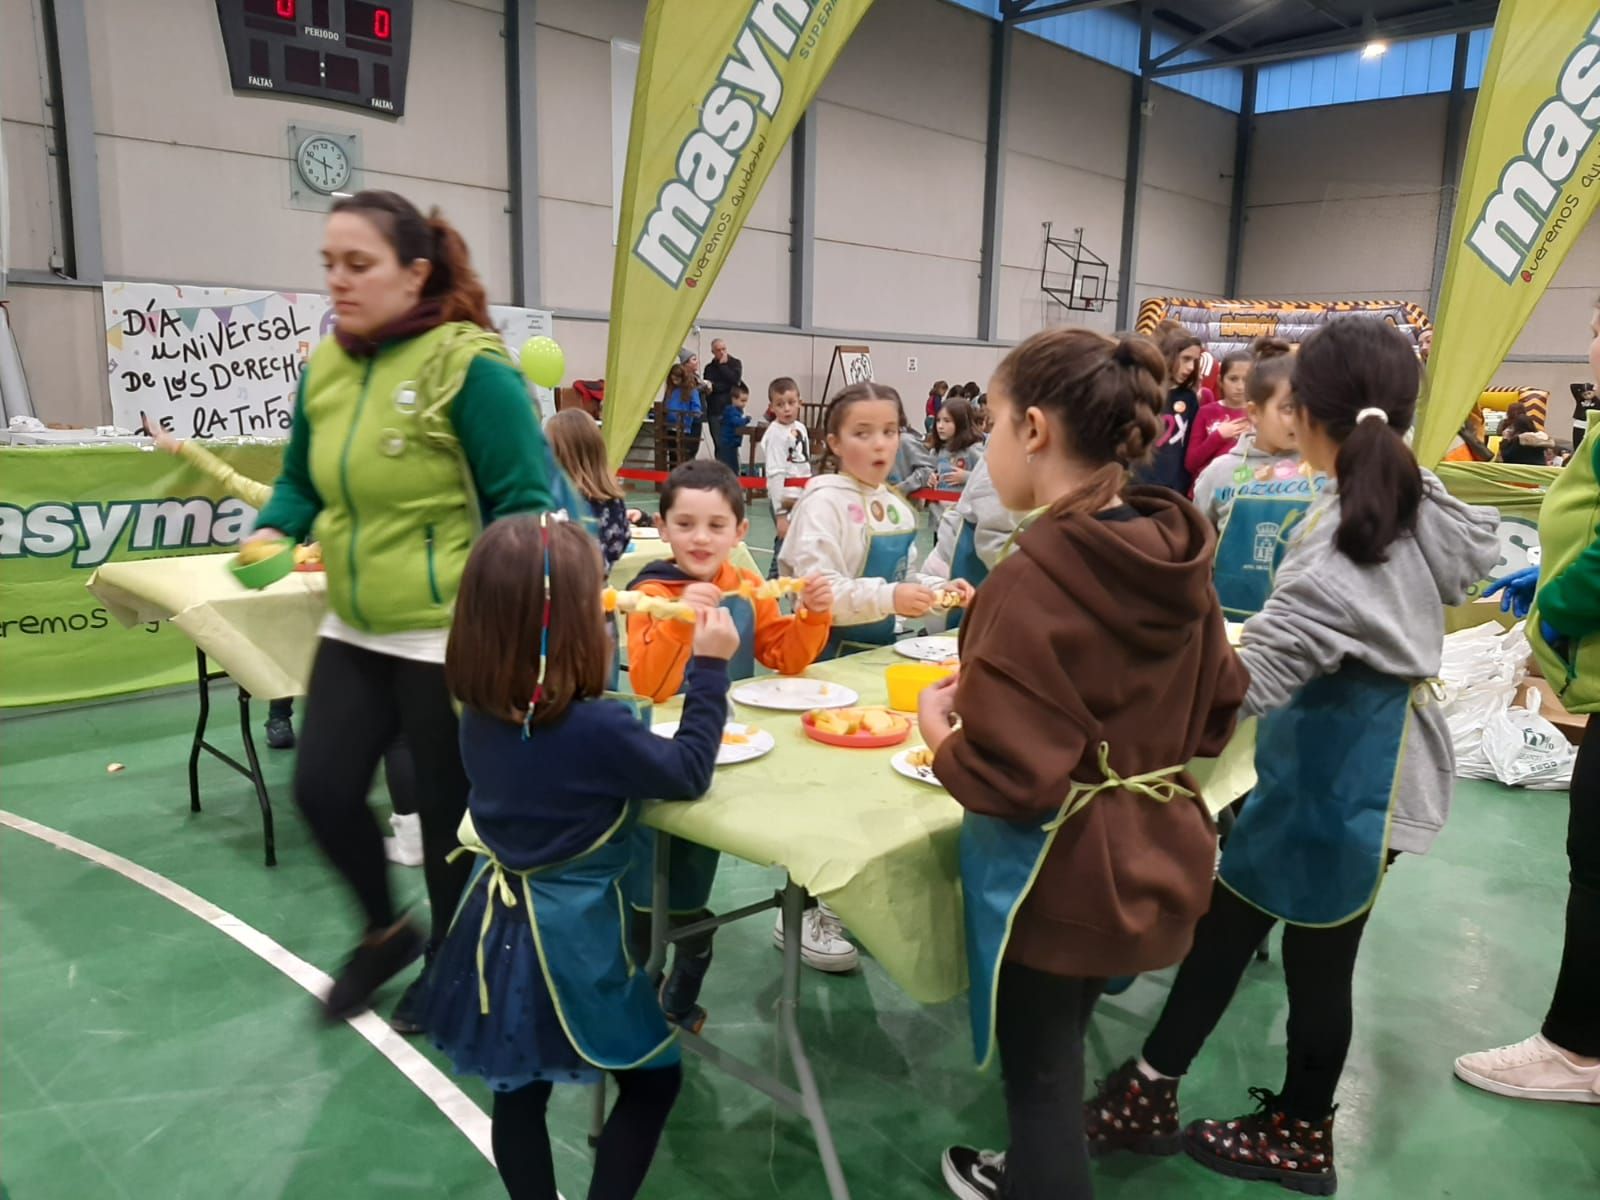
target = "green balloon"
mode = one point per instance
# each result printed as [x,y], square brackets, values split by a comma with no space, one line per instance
[543,362]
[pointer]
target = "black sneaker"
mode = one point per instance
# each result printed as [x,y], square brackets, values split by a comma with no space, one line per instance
[280,733]
[974,1174]
[681,991]
[406,1019]
[371,965]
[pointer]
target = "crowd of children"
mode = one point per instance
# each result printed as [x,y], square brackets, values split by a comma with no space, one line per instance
[1095,663]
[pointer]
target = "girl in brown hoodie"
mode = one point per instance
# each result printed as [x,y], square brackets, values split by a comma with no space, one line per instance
[1095,664]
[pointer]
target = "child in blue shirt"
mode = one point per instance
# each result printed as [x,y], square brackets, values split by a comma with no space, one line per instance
[731,432]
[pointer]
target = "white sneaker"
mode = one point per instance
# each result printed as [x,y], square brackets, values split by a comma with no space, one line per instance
[823,945]
[405,847]
[1535,1069]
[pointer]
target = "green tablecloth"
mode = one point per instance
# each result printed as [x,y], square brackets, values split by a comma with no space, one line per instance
[878,847]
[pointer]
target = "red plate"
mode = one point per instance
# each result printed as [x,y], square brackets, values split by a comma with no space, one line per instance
[855,741]
[310,566]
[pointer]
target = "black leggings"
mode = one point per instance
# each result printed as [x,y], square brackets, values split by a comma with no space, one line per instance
[359,702]
[627,1144]
[398,773]
[1039,1024]
[1318,966]
[1573,1022]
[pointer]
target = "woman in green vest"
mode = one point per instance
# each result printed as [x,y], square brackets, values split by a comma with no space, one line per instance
[411,432]
[1561,599]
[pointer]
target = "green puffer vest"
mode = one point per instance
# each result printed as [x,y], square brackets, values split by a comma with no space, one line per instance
[1567,522]
[400,511]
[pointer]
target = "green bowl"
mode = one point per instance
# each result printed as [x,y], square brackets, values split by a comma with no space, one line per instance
[267,571]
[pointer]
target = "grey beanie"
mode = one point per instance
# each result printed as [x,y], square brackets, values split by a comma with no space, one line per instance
[685,355]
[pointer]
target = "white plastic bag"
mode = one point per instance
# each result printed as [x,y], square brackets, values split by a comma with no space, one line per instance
[1480,669]
[1526,750]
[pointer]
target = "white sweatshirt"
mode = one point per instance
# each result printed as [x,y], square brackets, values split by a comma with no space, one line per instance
[786,451]
[829,532]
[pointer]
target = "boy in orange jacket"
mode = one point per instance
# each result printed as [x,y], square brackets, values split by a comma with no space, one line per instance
[702,519]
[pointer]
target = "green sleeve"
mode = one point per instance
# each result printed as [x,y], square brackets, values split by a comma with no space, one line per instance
[1571,601]
[295,504]
[494,418]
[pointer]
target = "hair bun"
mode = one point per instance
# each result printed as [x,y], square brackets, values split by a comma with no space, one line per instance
[1265,348]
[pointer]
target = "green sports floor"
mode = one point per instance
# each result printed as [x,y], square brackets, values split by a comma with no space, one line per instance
[145,1054]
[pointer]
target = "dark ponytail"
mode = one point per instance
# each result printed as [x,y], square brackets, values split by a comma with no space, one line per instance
[1357,380]
[452,282]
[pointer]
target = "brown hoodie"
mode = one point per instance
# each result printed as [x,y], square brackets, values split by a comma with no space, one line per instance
[1099,628]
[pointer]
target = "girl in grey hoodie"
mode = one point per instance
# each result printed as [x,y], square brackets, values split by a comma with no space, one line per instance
[1353,760]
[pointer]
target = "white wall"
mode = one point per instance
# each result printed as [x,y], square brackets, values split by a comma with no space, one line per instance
[1344,203]
[195,179]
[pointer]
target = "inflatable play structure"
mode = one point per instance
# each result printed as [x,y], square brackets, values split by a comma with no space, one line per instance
[1228,325]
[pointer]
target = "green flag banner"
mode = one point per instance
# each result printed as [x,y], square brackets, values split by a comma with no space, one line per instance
[1529,184]
[67,510]
[720,89]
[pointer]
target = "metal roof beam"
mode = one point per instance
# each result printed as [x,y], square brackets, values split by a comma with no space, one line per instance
[1216,31]
[1459,18]
[1020,13]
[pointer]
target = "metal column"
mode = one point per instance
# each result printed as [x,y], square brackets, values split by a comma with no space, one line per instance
[802,219]
[1241,181]
[994,182]
[1450,172]
[522,135]
[1138,121]
[70,30]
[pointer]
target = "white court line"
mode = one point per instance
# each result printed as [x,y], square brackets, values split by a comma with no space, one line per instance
[430,1081]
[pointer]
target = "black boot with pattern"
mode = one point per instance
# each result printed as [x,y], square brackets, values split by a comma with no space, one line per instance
[1268,1145]
[1130,1112]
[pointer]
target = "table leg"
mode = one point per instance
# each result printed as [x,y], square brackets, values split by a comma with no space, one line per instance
[199,733]
[788,1006]
[255,777]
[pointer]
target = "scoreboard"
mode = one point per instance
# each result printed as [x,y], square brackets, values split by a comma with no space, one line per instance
[350,52]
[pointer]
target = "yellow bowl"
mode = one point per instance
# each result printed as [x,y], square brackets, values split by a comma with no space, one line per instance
[907,680]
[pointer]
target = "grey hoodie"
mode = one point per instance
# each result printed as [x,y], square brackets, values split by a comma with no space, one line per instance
[1325,608]
[993,523]
[1217,486]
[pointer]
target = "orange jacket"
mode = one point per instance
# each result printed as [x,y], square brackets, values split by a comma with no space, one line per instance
[659,651]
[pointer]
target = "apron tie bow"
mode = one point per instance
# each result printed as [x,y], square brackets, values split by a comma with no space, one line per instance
[1161,786]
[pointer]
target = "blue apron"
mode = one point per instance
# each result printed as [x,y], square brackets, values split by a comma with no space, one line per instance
[1251,545]
[1310,846]
[965,564]
[887,555]
[607,1008]
[693,867]
[1000,860]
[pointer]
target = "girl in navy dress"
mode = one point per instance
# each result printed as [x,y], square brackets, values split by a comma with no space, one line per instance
[533,985]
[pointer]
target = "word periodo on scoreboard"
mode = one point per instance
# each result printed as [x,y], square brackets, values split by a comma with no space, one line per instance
[349,52]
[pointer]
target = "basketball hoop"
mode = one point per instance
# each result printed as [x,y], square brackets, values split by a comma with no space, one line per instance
[1085,290]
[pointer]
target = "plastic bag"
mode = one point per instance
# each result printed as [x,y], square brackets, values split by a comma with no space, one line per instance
[1480,669]
[1525,750]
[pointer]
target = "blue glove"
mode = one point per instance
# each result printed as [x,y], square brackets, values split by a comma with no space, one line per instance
[1519,587]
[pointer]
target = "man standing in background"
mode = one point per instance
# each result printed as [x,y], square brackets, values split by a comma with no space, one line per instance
[723,373]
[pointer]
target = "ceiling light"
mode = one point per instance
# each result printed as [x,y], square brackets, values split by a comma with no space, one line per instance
[1375,49]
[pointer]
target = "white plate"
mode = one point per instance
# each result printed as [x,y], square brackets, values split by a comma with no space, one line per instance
[643,533]
[927,649]
[901,763]
[793,694]
[760,742]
